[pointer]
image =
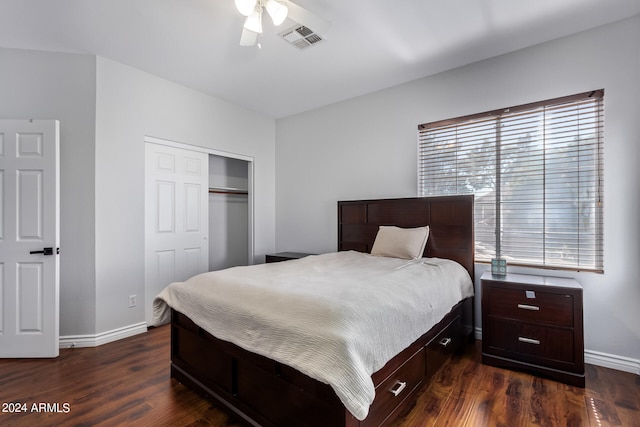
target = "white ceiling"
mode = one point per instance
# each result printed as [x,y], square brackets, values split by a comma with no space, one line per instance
[371,44]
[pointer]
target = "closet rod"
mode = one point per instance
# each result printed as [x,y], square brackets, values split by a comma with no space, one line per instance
[227,191]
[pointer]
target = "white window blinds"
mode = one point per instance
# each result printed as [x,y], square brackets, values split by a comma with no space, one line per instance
[536,173]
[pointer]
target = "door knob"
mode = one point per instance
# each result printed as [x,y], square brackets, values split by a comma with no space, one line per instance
[46,251]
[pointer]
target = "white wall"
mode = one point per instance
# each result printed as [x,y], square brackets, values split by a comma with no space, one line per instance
[366,148]
[131,105]
[57,86]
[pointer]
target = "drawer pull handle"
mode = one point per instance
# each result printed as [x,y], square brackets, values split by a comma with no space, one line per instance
[529,307]
[397,389]
[444,342]
[529,340]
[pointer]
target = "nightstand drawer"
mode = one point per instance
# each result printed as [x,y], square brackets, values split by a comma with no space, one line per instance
[545,308]
[531,343]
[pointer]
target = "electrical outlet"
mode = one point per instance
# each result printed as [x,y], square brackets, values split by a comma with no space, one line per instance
[132,300]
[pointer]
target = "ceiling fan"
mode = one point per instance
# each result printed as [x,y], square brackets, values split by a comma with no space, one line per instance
[279,11]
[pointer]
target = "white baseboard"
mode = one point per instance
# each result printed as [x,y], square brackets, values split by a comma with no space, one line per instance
[478,333]
[75,341]
[612,361]
[619,363]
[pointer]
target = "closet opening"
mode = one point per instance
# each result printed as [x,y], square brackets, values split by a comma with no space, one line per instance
[228,212]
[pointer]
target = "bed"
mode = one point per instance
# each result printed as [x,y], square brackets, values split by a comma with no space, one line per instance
[266,388]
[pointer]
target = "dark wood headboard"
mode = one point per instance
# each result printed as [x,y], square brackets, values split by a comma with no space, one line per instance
[450,221]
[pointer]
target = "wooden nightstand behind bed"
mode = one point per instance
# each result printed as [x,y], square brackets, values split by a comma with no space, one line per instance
[534,323]
[284,256]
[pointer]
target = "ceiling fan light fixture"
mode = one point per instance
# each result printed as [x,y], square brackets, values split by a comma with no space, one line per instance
[278,11]
[248,38]
[254,22]
[246,7]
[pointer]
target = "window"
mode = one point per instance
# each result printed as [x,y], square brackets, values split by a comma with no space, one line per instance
[536,173]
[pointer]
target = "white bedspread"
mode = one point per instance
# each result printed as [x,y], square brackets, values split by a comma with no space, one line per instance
[337,317]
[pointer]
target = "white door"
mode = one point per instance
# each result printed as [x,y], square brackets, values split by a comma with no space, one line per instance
[177,226]
[29,238]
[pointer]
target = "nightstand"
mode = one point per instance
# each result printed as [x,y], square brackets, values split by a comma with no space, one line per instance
[534,323]
[284,256]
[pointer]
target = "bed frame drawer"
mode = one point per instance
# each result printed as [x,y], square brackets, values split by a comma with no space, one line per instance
[443,345]
[395,389]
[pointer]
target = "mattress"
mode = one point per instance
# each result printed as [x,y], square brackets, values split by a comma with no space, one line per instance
[336,317]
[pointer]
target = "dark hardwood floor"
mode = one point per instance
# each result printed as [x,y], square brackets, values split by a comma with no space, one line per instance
[127,383]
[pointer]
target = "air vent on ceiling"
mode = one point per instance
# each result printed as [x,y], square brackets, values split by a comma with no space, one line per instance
[301,37]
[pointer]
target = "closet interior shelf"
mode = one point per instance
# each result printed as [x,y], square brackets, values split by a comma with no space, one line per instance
[227,190]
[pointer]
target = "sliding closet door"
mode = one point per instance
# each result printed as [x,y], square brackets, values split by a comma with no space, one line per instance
[177,225]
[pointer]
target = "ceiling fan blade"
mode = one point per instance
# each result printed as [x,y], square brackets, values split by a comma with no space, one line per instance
[248,37]
[308,19]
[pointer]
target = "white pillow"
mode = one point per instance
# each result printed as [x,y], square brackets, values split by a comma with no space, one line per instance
[396,242]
